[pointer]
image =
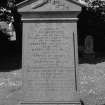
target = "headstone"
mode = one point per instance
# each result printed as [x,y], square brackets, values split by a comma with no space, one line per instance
[89,48]
[49,51]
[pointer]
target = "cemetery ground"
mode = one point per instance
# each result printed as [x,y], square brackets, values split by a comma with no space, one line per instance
[91,74]
[10,73]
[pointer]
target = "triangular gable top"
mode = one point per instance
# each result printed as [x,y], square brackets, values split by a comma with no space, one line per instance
[48,5]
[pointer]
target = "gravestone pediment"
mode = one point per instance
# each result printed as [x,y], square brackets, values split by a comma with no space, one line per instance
[48,5]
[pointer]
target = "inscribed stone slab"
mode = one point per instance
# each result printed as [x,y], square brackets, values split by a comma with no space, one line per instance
[49,61]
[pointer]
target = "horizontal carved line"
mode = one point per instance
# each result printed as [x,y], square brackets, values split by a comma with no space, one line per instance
[59,102]
[32,19]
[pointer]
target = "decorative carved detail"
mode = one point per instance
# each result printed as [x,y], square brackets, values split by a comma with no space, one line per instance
[50,5]
[81,2]
[39,3]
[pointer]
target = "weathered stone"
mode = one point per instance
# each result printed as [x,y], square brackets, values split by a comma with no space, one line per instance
[49,50]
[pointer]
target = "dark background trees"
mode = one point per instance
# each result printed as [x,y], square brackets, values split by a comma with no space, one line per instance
[4,2]
[92,22]
[11,50]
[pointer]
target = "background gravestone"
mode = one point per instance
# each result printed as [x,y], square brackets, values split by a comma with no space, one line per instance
[49,51]
[89,45]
